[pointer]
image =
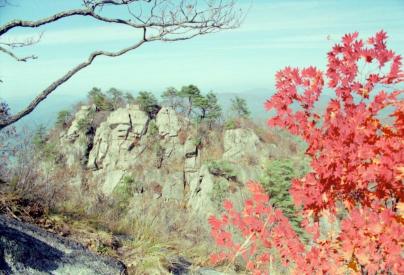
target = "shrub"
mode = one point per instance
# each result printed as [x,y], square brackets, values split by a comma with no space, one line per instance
[220,192]
[8,148]
[231,124]
[222,168]
[153,129]
[84,124]
[125,190]
[63,118]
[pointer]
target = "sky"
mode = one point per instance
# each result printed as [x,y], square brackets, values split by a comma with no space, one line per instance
[274,34]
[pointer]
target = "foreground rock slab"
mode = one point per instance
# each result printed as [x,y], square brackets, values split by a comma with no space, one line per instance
[27,249]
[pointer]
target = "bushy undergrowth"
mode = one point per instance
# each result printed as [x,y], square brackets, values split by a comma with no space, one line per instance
[222,168]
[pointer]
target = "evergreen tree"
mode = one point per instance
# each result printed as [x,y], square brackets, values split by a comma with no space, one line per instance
[276,180]
[116,98]
[214,109]
[130,99]
[100,100]
[148,103]
[210,110]
[239,107]
[191,93]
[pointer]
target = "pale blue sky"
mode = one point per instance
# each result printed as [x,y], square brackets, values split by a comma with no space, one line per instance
[275,34]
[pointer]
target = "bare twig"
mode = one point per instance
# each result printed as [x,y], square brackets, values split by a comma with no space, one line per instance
[23,59]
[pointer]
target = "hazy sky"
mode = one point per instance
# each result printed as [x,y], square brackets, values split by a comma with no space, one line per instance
[275,34]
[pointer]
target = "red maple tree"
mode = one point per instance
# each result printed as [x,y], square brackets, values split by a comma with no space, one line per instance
[357,161]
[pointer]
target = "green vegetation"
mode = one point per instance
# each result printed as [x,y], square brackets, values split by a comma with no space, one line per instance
[191,93]
[84,124]
[116,98]
[222,168]
[100,100]
[130,99]
[193,104]
[214,110]
[276,180]
[220,192]
[230,124]
[63,118]
[239,107]
[209,108]
[45,150]
[125,190]
[153,130]
[171,98]
[147,101]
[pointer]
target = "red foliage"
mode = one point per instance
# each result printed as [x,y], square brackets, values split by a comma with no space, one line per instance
[357,161]
[259,226]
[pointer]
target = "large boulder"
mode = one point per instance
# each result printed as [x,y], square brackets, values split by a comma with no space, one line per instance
[168,123]
[27,249]
[240,143]
[116,137]
[139,120]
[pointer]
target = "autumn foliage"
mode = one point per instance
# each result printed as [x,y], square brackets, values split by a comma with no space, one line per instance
[357,162]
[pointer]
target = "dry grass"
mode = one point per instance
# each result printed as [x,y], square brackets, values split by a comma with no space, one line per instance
[212,148]
[153,233]
[182,136]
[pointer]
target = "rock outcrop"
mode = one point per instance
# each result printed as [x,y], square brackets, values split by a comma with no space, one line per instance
[240,142]
[167,122]
[77,141]
[131,146]
[26,249]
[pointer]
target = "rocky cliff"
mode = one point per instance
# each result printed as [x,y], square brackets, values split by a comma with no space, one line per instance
[166,155]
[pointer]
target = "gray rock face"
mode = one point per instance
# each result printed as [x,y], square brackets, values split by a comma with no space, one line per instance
[75,141]
[167,122]
[116,136]
[240,142]
[74,131]
[173,189]
[111,180]
[26,249]
[201,187]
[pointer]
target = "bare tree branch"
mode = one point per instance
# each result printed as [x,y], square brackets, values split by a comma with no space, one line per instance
[166,20]
[34,24]
[23,59]
[63,79]
[27,42]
